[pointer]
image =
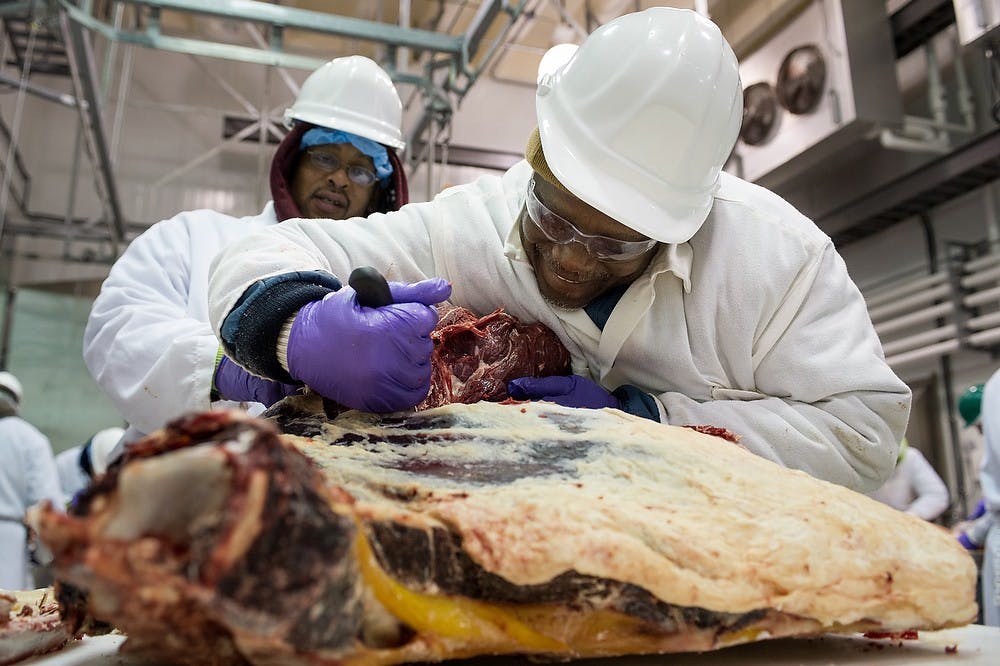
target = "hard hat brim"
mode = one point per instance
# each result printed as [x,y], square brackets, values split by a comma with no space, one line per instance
[361,128]
[673,218]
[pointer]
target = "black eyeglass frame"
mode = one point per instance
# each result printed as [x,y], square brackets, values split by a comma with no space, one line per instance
[329,163]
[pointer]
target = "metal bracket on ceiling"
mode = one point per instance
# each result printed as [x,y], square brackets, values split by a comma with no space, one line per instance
[454,64]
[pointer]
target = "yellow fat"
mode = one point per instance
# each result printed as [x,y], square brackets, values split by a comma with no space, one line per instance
[448,617]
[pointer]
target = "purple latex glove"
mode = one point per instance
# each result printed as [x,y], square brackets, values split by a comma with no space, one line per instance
[568,391]
[372,359]
[979,510]
[966,542]
[235,383]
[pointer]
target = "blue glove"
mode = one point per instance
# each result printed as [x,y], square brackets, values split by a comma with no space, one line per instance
[963,539]
[372,359]
[568,391]
[234,383]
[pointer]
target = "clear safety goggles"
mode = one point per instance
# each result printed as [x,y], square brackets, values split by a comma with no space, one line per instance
[329,163]
[561,231]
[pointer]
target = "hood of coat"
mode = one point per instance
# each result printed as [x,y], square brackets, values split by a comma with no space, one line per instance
[283,166]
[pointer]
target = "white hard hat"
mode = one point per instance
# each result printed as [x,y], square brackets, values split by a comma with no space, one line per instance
[640,121]
[12,386]
[352,94]
[554,58]
[101,446]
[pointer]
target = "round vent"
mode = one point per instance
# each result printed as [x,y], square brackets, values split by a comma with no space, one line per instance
[801,79]
[760,114]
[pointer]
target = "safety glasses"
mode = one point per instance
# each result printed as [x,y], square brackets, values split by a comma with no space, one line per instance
[561,231]
[329,163]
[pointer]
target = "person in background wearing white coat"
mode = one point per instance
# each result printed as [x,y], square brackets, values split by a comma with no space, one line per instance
[79,465]
[989,478]
[148,342]
[684,295]
[914,486]
[27,476]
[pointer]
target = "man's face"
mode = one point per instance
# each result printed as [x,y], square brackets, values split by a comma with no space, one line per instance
[324,183]
[571,274]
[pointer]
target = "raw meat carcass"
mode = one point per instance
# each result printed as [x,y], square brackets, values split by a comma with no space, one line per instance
[485,529]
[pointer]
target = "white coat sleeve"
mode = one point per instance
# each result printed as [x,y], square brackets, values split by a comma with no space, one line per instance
[152,358]
[824,399]
[930,493]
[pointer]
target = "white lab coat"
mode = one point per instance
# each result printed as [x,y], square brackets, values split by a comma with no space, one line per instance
[27,476]
[914,488]
[72,478]
[989,478]
[148,342]
[753,325]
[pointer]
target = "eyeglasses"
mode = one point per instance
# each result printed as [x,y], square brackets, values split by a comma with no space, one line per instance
[561,231]
[329,163]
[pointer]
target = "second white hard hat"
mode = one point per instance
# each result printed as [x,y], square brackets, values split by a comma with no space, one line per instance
[641,120]
[11,385]
[352,94]
[101,446]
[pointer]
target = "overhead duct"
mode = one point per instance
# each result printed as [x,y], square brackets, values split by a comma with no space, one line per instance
[820,83]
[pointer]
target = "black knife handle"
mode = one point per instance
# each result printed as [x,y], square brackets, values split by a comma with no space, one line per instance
[373,290]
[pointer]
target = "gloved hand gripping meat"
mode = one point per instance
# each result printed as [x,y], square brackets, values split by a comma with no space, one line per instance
[235,383]
[571,391]
[372,359]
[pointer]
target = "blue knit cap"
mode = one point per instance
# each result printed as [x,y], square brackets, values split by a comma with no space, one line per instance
[320,136]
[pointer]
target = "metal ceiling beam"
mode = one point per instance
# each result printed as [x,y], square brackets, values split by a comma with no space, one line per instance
[274,56]
[80,53]
[40,91]
[303,19]
[438,107]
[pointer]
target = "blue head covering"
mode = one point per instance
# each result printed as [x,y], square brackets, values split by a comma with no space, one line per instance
[320,136]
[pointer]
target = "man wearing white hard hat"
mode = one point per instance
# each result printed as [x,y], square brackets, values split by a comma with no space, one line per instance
[148,342]
[27,476]
[683,294]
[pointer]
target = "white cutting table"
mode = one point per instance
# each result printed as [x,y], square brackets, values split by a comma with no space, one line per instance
[974,644]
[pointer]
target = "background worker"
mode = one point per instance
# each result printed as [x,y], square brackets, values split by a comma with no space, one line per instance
[80,464]
[148,342]
[989,478]
[27,476]
[914,486]
[971,532]
[970,440]
[683,294]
